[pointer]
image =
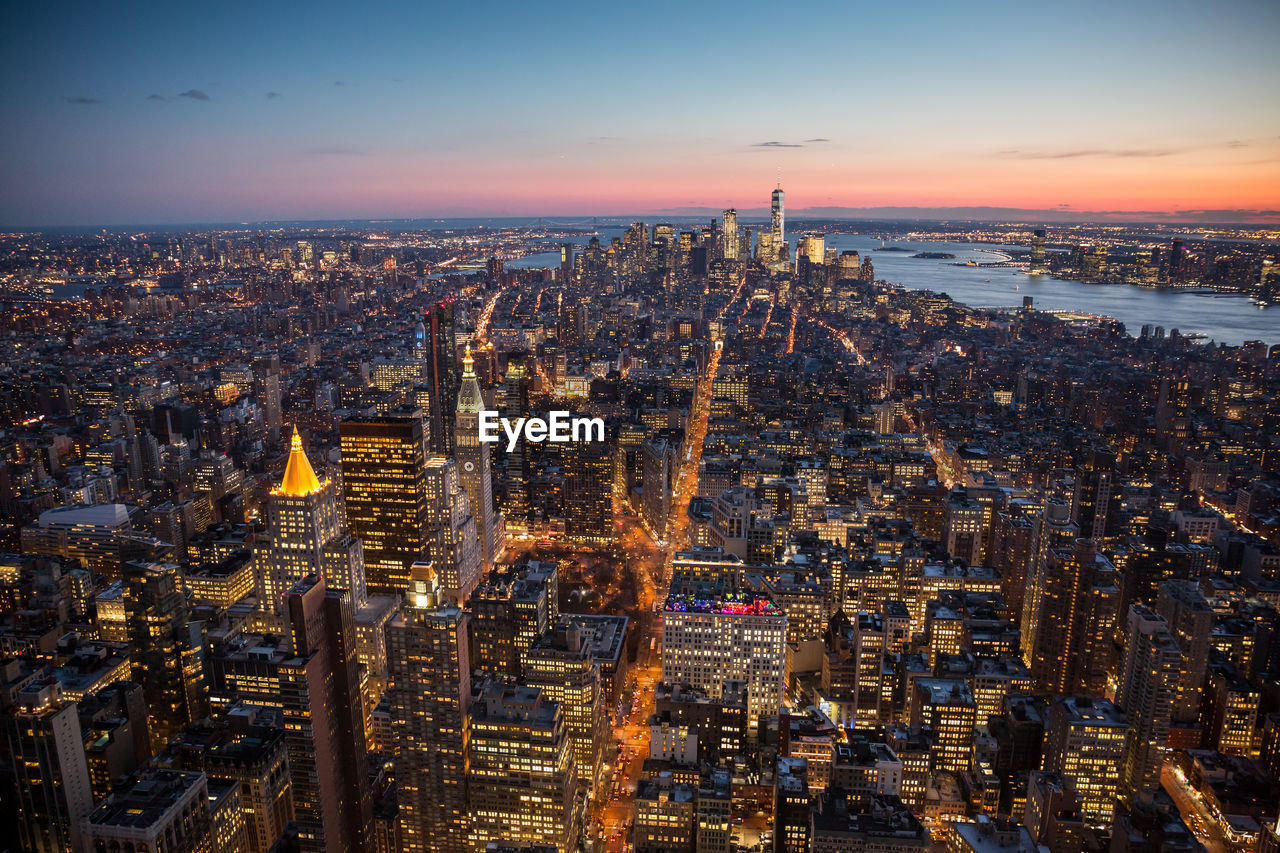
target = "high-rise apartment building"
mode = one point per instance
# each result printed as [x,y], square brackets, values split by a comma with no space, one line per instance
[1070,648]
[1085,741]
[1150,675]
[454,547]
[45,789]
[588,492]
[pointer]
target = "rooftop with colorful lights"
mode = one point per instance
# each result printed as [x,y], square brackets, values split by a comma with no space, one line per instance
[721,604]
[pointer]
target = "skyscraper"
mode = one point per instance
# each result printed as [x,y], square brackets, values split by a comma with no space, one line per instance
[443,376]
[44,778]
[778,218]
[453,546]
[307,536]
[384,487]
[521,776]
[560,664]
[1070,649]
[588,492]
[1037,266]
[475,472]
[712,634]
[429,695]
[324,721]
[166,648]
[1085,742]
[1149,679]
[730,226]
[1091,500]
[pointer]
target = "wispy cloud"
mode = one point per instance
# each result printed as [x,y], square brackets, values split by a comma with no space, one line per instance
[155,97]
[81,101]
[1100,153]
[194,94]
[1103,153]
[328,151]
[271,96]
[818,139]
[338,83]
[776,144]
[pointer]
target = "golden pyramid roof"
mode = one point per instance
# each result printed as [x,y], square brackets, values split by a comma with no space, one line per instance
[299,477]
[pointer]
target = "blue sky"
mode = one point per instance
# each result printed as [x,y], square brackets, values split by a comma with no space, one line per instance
[149,112]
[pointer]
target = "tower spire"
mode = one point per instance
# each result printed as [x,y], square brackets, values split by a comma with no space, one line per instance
[299,477]
[469,398]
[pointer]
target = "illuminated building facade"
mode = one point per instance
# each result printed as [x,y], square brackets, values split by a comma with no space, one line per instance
[385,492]
[560,664]
[522,778]
[307,536]
[1085,742]
[712,635]
[429,694]
[475,471]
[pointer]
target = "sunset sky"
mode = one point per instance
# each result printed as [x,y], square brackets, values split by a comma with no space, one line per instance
[177,112]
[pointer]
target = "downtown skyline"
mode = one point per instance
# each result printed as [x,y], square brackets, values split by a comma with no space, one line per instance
[160,115]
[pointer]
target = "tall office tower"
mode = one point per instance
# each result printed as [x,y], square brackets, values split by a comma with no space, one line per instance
[560,664]
[307,537]
[1091,502]
[473,463]
[324,720]
[778,217]
[659,467]
[1072,645]
[814,247]
[711,635]
[566,261]
[429,693]
[454,547]
[1037,253]
[1054,529]
[731,245]
[443,376]
[166,648]
[45,790]
[1149,678]
[512,607]
[1085,741]
[163,810]
[1190,620]
[515,491]
[385,493]
[521,774]
[588,492]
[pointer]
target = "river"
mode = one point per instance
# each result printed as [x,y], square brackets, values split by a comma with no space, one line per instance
[1226,318]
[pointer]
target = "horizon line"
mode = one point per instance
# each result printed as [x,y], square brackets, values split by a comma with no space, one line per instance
[978,214]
